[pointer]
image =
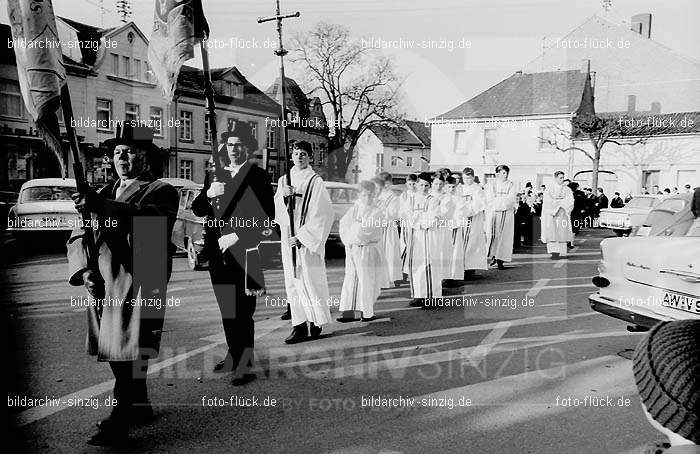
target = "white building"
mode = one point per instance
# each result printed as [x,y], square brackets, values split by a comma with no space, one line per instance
[507,123]
[397,150]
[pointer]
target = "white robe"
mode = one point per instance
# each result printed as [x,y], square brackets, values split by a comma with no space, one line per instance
[388,203]
[307,294]
[472,211]
[557,203]
[426,281]
[453,237]
[500,219]
[361,232]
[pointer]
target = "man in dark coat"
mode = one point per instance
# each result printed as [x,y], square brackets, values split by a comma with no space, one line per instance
[617,201]
[578,214]
[133,219]
[241,200]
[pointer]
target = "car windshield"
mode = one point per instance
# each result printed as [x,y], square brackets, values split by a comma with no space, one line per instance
[44,193]
[342,195]
[641,202]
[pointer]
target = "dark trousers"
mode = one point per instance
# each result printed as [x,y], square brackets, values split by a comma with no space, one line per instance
[237,311]
[129,387]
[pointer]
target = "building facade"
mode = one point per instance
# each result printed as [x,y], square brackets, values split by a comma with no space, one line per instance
[397,150]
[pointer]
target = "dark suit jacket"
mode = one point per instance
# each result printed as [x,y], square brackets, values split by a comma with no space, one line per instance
[246,208]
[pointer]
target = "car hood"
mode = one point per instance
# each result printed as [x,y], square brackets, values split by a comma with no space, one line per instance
[625,211]
[48,206]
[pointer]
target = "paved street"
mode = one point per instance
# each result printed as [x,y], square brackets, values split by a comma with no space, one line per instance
[493,372]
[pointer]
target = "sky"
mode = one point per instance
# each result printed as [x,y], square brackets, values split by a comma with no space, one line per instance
[449,50]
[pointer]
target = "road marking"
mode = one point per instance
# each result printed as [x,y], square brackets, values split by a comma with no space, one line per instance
[535,290]
[487,344]
[36,413]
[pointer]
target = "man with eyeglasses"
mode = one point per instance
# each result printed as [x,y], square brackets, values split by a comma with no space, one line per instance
[307,284]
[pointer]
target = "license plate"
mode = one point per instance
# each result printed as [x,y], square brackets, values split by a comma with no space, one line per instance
[681,302]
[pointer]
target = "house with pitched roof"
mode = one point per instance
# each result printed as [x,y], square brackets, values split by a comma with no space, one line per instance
[399,150]
[514,121]
[236,98]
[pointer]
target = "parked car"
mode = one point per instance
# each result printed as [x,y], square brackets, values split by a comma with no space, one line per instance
[44,205]
[625,220]
[646,279]
[342,195]
[7,200]
[187,232]
[671,213]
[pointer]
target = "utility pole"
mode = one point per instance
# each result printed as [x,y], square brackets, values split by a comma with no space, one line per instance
[281,52]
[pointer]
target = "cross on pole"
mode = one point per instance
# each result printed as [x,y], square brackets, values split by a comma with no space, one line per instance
[281,52]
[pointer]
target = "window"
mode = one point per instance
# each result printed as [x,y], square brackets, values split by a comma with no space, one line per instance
[156,117]
[10,99]
[186,169]
[132,112]
[185,125]
[254,128]
[395,161]
[146,71]
[460,145]
[271,137]
[207,131]
[137,69]
[409,162]
[230,122]
[115,64]
[489,139]
[237,91]
[104,114]
[545,134]
[380,161]
[126,63]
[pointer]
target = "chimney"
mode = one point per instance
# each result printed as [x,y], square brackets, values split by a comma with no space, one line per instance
[631,104]
[585,66]
[641,23]
[655,108]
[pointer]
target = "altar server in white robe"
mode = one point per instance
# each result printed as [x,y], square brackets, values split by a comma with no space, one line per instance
[307,292]
[424,271]
[361,232]
[405,228]
[557,203]
[501,198]
[389,203]
[472,212]
[441,234]
[451,208]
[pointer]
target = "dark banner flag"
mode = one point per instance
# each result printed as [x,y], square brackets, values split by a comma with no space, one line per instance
[39,66]
[177,26]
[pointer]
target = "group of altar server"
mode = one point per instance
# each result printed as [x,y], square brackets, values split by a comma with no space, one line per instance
[434,234]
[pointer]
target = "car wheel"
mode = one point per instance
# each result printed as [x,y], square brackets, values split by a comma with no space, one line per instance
[192,259]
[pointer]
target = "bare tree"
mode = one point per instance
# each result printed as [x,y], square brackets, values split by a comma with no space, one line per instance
[598,132]
[357,89]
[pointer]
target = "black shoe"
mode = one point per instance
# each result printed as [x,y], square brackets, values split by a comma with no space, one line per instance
[243,379]
[347,319]
[493,261]
[399,283]
[287,314]
[224,366]
[138,414]
[427,306]
[315,331]
[416,302]
[468,274]
[555,256]
[500,265]
[569,246]
[369,319]
[110,434]
[300,333]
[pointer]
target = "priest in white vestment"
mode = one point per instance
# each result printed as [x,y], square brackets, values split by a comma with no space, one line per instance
[557,203]
[307,291]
